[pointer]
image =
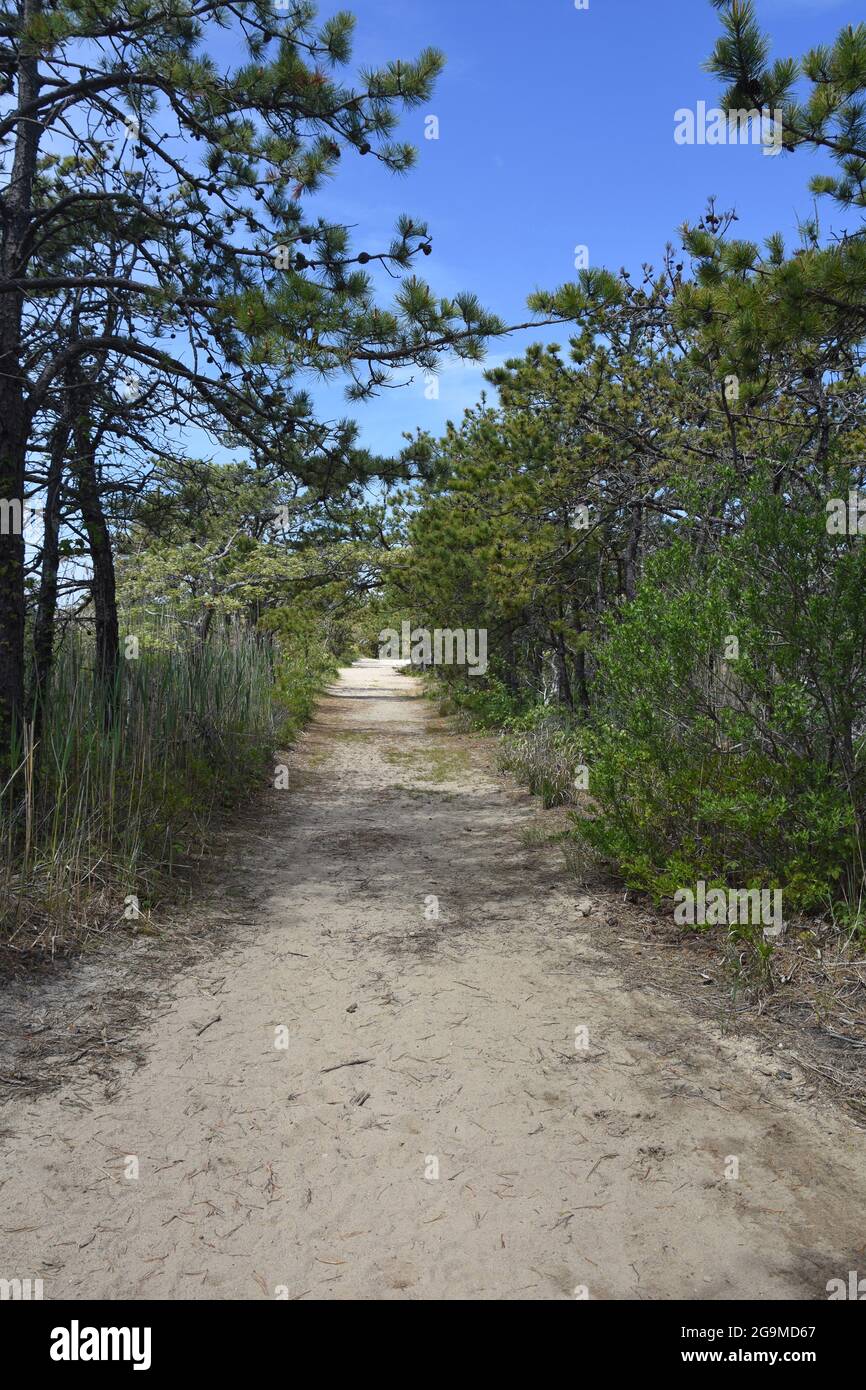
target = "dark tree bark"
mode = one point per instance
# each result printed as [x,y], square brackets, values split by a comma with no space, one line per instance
[14,413]
[632,554]
[509,673]
[103,585]
[581,682]
[11,558]
[46,606]
[560,665]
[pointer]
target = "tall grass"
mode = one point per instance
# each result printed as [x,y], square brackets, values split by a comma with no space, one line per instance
[545,756]
[102,810]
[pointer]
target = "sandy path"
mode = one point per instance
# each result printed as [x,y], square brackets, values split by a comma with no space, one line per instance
[262,1173]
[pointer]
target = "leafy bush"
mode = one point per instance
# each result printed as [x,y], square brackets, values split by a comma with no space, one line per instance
[749,770]
[487,702]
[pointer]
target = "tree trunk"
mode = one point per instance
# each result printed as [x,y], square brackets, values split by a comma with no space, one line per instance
[103,586]
[14,415]
[46,607]
[509,675]
[582,682]
[11,567]
[632,554]
[560,666]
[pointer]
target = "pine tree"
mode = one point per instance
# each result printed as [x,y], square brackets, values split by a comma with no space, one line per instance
[821,288]
[160,195]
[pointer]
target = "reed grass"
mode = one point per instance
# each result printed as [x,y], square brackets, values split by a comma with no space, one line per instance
[104,809]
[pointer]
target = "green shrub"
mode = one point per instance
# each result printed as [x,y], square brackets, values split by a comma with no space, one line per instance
[748,771]
[487,702]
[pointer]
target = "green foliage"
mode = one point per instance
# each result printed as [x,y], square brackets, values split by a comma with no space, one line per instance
[820,292]
[303,665]
[750,770]
[119,808]
[642,528]
[544,752]
[488,705]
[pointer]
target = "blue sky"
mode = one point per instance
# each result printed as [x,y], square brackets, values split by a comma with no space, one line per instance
[556,130]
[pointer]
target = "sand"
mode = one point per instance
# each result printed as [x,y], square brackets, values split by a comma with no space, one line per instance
[358,1100]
